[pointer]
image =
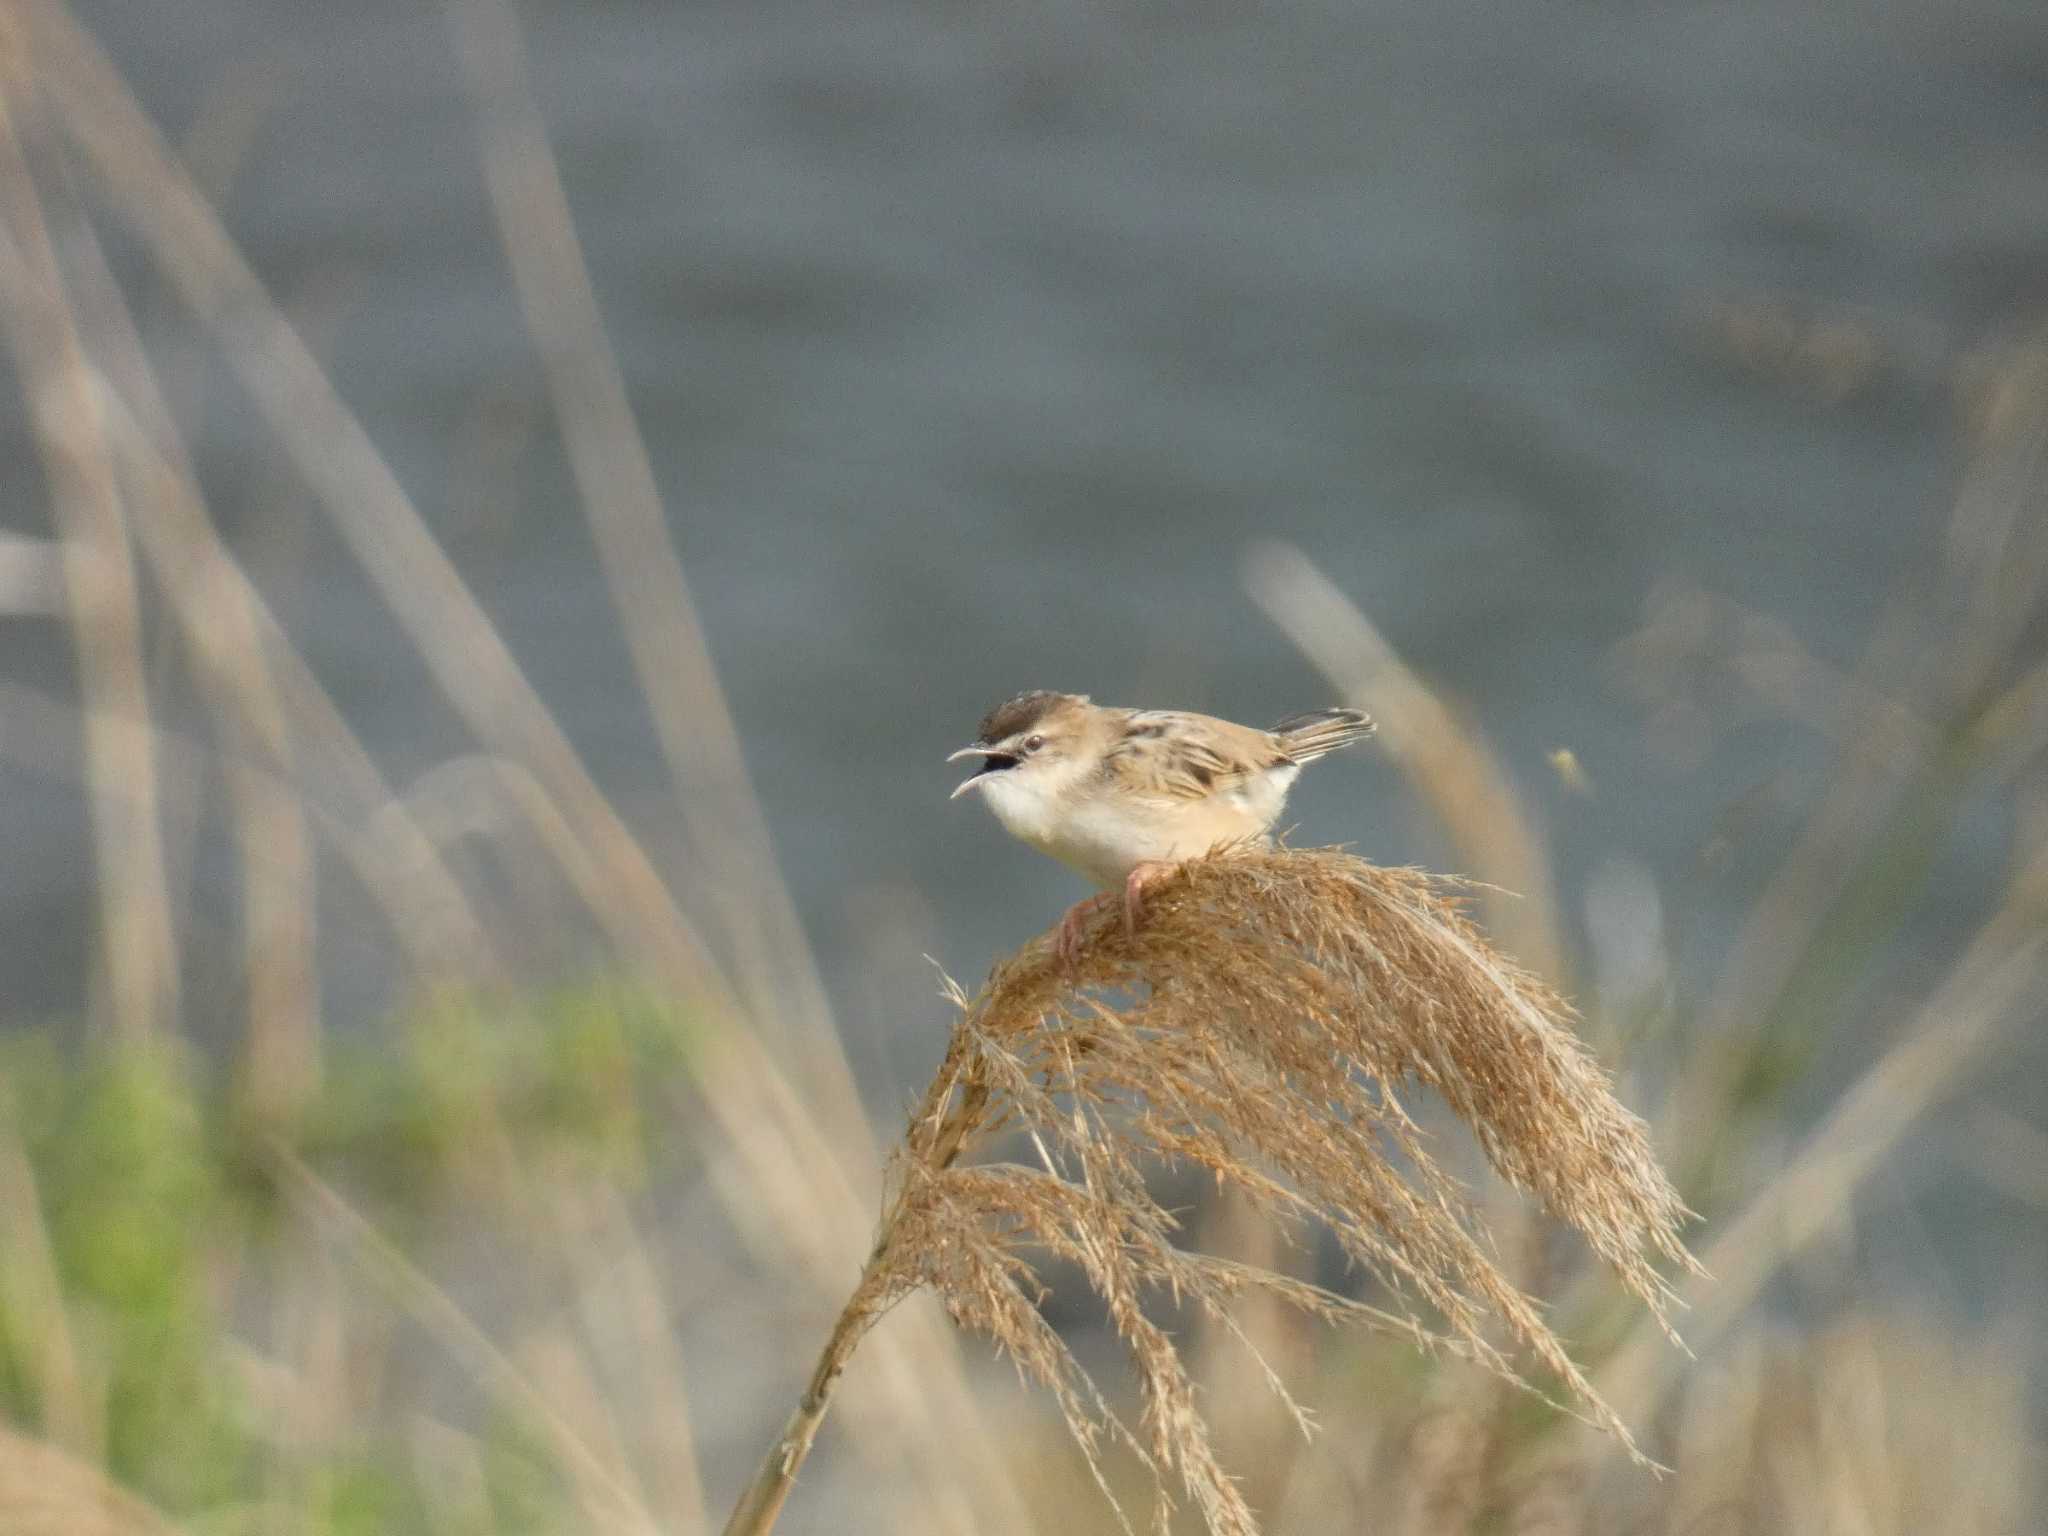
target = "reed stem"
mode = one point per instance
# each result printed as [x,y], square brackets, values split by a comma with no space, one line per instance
[761,1504]
[949,1135]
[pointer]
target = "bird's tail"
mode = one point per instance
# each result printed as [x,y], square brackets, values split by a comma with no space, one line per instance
[1304,738]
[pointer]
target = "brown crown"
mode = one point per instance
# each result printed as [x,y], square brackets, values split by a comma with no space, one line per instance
[1020,713]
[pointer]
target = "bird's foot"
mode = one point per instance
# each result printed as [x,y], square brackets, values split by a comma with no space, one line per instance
[1144,873]
[1066,945]
[1067,942]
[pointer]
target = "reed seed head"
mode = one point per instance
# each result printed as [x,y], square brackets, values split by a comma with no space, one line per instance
[1263,1024]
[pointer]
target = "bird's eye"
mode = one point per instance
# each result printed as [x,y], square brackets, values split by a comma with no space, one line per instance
[1033,743]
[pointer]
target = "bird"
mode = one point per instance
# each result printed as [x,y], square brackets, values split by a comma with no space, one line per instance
[1124,795]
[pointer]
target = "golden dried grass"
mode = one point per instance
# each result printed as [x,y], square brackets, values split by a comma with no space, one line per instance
[1260,1024]
[789,1115]
[45,1492]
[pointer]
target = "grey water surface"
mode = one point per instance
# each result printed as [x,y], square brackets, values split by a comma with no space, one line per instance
[976,343]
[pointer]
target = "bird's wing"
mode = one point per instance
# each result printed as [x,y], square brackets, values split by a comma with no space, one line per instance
[1171,755]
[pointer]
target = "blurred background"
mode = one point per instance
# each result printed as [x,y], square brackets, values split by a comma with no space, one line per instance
[506,507]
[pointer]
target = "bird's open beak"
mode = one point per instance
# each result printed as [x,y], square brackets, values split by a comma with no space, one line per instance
[975,777]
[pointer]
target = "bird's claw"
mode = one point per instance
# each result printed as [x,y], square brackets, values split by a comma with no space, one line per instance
[1141,875]
[1066,945]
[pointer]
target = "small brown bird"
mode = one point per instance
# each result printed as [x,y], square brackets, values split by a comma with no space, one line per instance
[1122,795]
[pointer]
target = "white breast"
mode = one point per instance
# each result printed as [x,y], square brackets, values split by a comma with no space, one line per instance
[1104,837]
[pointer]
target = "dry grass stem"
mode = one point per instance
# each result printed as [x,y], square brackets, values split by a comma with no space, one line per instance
[1446,763]
[772,974]
[433,1309]
[1992,990]
[132,167]
[671,657]
[1257,1026]
[31,576]
[44,1492]
[32,1289]
[455,638]
[1985,589]
[220,622]
[103,605]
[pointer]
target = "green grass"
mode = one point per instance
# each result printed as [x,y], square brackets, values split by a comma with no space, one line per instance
[170,1238]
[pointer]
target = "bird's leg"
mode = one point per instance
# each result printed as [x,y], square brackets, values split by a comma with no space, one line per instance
[1144,873]
[1067,945]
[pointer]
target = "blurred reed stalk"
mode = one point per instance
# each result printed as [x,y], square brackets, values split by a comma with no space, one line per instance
[1258,1026]
[1887,737]
[391,541]
[44,1492]
[1935,716]
[1939,715]
[1943,717]
[796,1134]
[608,457]
[1444,759]
[774,976]
[139,958]
[221,622]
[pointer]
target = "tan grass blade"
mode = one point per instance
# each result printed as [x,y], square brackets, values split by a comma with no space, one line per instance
[1997,554]
[138,951]
[70,1400]
[1997,549]
[455,639]
[465,1341]
[280,1060]
[608,456]
[553,1362]
[31,576]
[1456,775]
[253,674]
[44,1492]
[814,1210]
[1992,990]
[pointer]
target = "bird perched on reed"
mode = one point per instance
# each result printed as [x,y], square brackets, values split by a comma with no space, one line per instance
[1123,795]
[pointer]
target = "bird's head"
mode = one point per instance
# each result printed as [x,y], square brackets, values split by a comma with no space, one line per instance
[1030,747]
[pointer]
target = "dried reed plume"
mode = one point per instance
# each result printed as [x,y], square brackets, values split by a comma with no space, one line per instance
[1256,1025]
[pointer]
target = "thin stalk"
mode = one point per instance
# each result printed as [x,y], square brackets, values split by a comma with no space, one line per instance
[670,653]
[104,606]
[949,1134]
[438,1313]
[1457,775]
[221,615]
[455,638]
[219,624]
[761,1504]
